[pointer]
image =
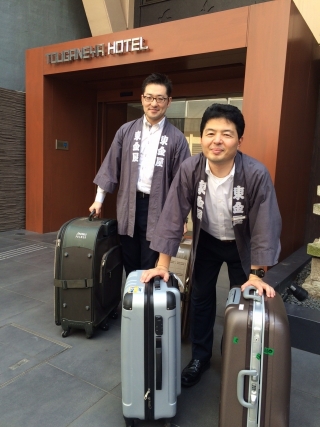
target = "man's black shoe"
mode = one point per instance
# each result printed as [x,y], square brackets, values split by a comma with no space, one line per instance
[192,372]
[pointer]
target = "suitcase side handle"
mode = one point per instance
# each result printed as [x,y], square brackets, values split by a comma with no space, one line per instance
[247,295]
[158,363]
[240,387]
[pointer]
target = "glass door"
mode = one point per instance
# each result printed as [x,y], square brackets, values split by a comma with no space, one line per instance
[186,115]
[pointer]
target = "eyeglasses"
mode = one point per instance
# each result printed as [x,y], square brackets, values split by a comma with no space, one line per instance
[159,99]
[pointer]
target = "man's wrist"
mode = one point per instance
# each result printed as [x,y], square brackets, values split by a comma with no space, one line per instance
[254,277]
[163,266]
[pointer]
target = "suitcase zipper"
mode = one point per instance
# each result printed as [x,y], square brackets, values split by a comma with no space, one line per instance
[148,398]
[101,269]
[103,262]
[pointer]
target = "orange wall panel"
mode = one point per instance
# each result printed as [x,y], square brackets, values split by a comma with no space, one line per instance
[265,67]
[68,187]
[214,32]
[34,140]
[279,107]
[296,136]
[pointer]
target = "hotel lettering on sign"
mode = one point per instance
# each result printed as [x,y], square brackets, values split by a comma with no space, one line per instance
[88,52]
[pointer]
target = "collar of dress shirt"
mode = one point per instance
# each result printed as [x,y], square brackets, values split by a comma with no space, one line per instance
[157,125]
[225,178]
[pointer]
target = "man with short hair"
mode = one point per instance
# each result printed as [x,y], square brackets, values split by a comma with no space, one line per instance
[236,220]
[143,159]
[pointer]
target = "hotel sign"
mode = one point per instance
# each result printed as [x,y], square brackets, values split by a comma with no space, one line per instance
[88,52]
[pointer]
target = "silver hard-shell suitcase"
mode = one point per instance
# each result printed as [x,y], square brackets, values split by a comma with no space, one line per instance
[150,348]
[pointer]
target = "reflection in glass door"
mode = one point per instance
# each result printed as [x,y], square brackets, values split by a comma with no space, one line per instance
[186,115]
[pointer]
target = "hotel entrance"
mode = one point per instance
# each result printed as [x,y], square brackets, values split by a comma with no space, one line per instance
[78,94]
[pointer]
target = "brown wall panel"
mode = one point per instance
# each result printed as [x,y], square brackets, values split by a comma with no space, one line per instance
[279,107]
[68,188]
[34,140]
[296,137]
[265,67]
[115,116]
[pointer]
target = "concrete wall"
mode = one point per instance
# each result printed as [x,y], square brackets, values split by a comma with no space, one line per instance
[310,10]
[159,11]
[25,24]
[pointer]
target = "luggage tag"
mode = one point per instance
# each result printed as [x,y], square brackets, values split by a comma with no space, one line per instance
[135,289]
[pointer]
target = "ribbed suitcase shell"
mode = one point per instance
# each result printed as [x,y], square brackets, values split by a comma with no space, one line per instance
[88,273]
[273,398]
[139,375]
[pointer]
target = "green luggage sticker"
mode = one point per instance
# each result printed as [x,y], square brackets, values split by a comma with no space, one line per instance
[269,351]
[235,340]
[258,356]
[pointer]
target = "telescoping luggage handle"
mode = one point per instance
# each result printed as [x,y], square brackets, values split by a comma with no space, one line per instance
[254,380]
[247,295]
[158,363]
[91,216]
[156,282]
[159,332]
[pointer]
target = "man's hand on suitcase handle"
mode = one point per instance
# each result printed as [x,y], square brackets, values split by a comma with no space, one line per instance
[260,285]
[97,206]
[162,269]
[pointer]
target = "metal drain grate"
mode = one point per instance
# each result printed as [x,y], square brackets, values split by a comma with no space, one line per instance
[20,251]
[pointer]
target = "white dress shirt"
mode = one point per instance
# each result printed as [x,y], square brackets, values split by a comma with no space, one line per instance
[148,151]
[217,214]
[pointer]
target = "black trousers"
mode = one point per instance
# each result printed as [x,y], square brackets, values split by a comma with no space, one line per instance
[136,252]
[211,254]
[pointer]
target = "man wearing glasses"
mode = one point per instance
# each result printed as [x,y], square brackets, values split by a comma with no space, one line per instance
[143,159]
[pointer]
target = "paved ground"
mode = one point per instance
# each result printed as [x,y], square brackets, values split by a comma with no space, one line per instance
[48,381]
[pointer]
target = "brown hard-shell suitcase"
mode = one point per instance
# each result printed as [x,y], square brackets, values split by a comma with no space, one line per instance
[88,274]
[256,361]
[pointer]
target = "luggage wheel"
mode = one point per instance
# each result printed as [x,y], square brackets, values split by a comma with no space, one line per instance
[113,314]
[89,335]
[167,423]
[104,325]
[64,334]
[58,323]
